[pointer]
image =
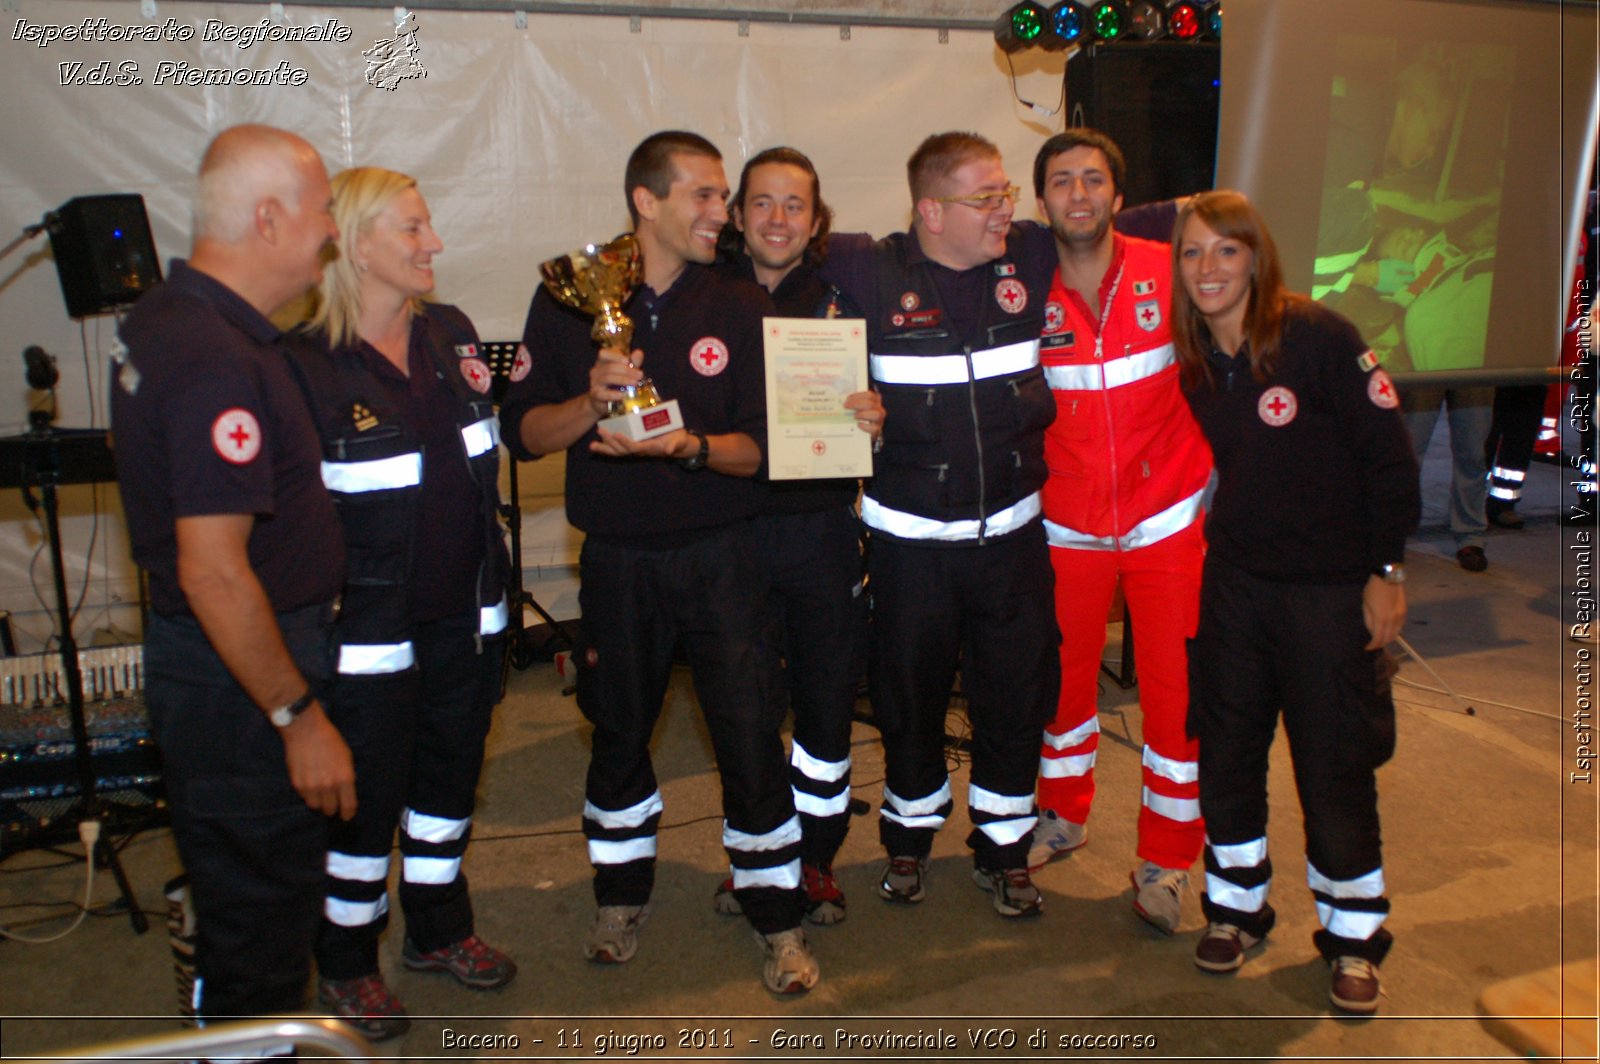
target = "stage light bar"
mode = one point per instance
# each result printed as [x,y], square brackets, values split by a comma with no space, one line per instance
[1020,27]
[1070,23]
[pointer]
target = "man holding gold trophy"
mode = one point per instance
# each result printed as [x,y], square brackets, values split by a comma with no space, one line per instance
[665,498]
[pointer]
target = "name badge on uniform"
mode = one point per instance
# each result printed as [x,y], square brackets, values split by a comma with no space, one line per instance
[1056,342]
[920,319]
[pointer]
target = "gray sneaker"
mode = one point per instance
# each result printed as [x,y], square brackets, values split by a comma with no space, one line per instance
[614,938]
[1158,895]
[790,967]
[1013,890]
[1054,836]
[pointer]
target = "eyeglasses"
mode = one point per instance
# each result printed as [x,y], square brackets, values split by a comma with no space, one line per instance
[987,203]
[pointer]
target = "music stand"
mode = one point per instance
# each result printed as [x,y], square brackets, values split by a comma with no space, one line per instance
[501,357]
[44,459]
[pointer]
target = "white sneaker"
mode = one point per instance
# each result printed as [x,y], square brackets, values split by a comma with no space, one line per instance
[1054,836]
[1158,895]
[614,938]
[790,967]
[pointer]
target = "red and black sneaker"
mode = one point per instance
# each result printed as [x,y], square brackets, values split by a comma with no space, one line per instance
[824,899]
[472,961]
[365,1003]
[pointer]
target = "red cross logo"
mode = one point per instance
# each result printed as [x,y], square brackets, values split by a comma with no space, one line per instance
[1277,406]
[709,356]
[1011,295]
[1380,389]
[476,373]
[522,365]
[819,448]
[1148,314]
[236,436]
[1055,316]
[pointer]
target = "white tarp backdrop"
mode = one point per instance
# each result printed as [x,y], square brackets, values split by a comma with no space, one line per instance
[517,133]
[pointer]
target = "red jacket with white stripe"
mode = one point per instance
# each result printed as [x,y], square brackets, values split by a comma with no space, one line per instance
[1127,462]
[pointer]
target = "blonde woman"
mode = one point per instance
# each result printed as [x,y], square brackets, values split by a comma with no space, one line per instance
[410,455]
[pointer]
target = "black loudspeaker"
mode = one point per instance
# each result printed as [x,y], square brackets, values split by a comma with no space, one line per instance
[1158,101]
[105,256]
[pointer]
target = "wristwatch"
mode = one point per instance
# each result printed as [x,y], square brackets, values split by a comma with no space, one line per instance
[284,716]
[1391,573]
[698,461]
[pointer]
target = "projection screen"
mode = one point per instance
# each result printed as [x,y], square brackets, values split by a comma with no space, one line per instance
[1421,163]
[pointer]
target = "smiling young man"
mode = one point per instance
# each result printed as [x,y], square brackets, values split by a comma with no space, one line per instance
[1128,467]
[808,531]
[669,554]
[958,563]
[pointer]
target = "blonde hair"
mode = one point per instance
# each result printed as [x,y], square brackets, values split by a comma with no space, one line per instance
[360,194]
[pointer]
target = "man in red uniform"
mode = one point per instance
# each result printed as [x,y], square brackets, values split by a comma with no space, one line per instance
[1128,467]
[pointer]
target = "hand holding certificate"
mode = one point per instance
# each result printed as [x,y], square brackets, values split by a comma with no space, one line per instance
[813,366]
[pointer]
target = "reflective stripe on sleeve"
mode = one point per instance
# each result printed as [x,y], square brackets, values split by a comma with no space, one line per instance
[481,436]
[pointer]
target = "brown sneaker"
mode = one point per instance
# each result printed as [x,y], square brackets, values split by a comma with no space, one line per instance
[1355,986]
[1222,948]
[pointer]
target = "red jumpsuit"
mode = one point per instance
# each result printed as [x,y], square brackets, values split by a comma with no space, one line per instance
[1128,467]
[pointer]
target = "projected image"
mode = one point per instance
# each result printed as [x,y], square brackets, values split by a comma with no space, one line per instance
[1412,183]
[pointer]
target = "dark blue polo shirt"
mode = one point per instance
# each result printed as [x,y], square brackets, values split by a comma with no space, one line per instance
[208,419]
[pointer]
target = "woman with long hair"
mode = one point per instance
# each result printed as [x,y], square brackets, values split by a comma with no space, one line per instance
[401,398]
[1303,586]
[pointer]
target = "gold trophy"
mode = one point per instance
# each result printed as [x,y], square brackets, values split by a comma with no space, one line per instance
[598,280]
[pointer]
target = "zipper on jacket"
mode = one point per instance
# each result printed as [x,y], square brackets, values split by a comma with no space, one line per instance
[977,439]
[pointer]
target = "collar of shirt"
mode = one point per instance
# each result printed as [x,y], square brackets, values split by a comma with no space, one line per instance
[202,286]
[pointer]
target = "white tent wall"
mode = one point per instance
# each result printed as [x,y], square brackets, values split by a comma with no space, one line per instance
[518,135]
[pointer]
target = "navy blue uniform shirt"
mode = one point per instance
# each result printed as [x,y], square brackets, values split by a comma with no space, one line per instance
[208,419]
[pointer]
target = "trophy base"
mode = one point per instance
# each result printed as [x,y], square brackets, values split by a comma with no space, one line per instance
[647,423]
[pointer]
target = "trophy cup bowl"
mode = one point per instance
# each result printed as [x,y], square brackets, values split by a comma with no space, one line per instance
[598,279]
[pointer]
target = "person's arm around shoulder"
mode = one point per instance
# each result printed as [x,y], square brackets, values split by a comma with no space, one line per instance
[234,612]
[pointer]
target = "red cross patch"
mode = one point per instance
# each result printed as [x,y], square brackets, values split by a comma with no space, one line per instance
[476,374]
[819,448]
[1011,295]
[522,365]
[236,436]
[709,356]
[909,301]
[1147,312]
[897,320]
[1277,406]
[1380,389]
[1055,316]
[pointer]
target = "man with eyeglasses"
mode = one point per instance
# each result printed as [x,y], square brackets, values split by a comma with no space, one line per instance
[1128,467]
[958,566]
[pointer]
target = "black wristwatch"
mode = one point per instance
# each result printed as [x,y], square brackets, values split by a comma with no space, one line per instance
[699,460]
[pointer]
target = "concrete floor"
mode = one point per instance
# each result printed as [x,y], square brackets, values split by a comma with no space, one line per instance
[1490,859]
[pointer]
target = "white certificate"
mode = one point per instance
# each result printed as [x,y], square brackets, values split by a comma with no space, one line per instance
[812,365]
